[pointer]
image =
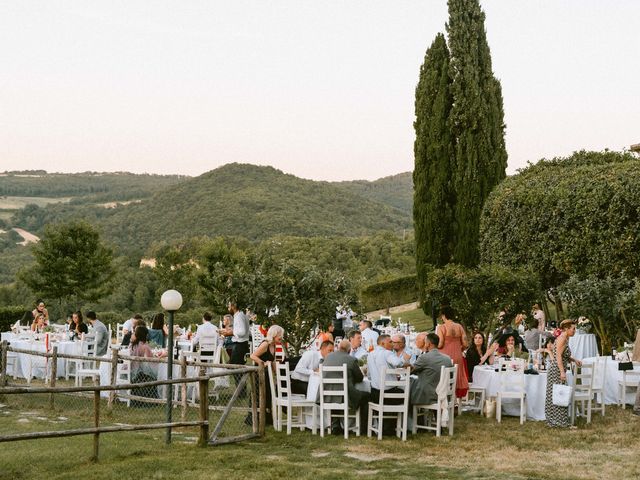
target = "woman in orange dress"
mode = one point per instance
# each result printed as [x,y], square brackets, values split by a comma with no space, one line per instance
[453,341]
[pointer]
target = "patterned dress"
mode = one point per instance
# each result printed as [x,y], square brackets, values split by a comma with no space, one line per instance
[556,416]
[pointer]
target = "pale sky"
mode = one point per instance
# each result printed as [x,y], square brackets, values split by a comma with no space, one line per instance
[320,89]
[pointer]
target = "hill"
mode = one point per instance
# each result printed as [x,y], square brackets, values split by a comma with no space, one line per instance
[395,190]
[252,202]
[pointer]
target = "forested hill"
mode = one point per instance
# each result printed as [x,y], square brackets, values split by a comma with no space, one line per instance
[252,202]
[395,190]
[84,187]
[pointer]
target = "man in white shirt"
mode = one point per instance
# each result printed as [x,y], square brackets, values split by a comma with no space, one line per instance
[128,327]
[308,364]
[240,335]
[381,357]
[369,336]
[206,328]
[355,339]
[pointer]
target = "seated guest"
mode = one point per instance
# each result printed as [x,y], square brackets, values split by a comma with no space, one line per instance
[158,332]
[205,328]
[381,357]
[324,336]
[39,323]
[357,398]
[369,336]
[355,339]
[427,368]
[128,327]
[421,343]
[506,346]
[475,352]
[266,352]
[79,327]
[398,344]
[309,363]
[142,371]
[102,334]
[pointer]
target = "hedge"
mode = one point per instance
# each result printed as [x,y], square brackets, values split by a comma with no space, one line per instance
[10,315]
[389,293]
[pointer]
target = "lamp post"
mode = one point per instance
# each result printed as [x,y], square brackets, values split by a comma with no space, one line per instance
[171,301]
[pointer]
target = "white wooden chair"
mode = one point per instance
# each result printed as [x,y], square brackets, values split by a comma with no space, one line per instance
[599,377]
[123,376]
[582,383]
[630,380]
[12,362]
[384,410]
[512,386]
[87,368]
[285,398]
[334,386]
[446,402]
[256,337]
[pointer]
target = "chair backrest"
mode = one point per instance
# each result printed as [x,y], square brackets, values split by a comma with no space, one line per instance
[88,346]
[256,336]
[284,380]
[272,384]
[511,374]
[334,389]
[449,376]
[599,372]
[583,377]
[401,380]
[119,334]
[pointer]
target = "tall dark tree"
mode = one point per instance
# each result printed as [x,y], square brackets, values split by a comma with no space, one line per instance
[433,151]
[477,123]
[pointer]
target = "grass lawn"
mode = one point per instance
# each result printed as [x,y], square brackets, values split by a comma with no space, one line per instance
[480,448]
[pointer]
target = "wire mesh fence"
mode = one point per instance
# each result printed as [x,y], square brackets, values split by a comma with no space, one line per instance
[45,395]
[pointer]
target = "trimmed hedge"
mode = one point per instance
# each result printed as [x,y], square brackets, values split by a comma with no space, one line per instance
[389,293]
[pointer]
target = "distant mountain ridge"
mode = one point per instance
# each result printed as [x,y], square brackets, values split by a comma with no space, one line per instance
[254,202]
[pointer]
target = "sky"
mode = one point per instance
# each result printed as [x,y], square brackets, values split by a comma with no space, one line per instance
[319,89]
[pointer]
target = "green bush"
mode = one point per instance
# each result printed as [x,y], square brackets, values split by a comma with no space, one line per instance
[10,315]
[388,293]
[567,216]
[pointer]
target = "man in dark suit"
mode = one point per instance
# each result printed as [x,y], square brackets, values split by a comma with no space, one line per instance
[427,368]
[357,398]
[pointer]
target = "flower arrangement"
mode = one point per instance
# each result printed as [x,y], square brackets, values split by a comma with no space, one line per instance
[584,324]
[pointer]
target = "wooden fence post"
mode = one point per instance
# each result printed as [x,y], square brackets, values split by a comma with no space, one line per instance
[96,423]
[54,374]
[3,360]
[204,413]
[183,386]
[263,399]
[254,403]
[114,374]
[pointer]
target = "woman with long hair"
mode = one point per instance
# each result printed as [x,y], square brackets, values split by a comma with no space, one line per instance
[78,325]
[142,371]
[475,352]
[266,352]
[453,341]
[158,332]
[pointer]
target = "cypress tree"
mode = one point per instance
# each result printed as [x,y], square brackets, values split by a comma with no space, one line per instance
[433,152]
[476,122]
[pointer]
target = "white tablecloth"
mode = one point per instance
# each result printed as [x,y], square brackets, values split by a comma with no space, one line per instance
[535,385]
[35,365]
[583,346]
[611,377]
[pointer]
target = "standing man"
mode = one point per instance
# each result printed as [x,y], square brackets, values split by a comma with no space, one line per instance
[240,334]
[102,334]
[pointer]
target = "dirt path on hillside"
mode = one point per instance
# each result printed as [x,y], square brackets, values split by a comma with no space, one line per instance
[28,237]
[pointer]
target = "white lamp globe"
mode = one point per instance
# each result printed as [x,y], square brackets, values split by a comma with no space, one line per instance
[171,300]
